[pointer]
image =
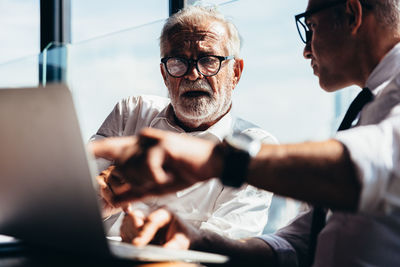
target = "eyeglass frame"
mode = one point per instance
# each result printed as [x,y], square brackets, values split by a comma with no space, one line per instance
[310,12]
[194,62]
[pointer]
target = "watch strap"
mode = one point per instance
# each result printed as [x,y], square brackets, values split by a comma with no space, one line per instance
[235,166]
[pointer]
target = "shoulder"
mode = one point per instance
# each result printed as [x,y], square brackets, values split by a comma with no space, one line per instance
[132,113]
[144,102]
[254,131]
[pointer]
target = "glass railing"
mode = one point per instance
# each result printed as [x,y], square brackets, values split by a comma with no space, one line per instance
[23,72]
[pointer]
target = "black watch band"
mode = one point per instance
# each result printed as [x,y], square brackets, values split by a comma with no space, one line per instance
[237,151]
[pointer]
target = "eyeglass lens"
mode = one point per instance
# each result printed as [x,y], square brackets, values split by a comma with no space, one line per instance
[208,66]
[304,31]
[177,66]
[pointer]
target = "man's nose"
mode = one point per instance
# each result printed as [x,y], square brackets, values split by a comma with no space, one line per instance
[307,53]
[193,74]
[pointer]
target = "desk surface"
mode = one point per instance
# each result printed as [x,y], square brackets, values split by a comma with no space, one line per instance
[17,257]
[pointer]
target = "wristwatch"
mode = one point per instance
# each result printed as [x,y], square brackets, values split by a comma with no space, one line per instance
[237,150]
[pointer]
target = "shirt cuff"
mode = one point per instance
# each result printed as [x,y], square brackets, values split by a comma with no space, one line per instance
[284,251]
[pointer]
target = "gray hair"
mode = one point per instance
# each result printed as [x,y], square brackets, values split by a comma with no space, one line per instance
[195,15]
[387,12]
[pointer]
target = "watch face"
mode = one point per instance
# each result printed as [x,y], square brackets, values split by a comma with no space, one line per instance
[244,142]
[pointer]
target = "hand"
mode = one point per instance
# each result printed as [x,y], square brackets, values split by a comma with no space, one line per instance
[106,180]
[132,222]
[158,162]
[160,227]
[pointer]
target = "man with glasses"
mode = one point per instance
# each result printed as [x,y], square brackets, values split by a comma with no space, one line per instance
[201,66]
[353,179]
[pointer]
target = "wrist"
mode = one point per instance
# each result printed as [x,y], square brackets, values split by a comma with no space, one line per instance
[237,150]
[217,161]
[206,240]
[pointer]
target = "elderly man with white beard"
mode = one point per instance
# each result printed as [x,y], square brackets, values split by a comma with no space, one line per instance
[200,66]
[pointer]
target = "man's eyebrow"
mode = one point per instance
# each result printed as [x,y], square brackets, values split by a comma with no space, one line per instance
[177,52]
[180,55]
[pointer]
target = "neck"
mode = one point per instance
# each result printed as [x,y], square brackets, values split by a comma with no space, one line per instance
[373,48]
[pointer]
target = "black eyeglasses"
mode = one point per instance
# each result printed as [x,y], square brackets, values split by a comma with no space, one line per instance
[207,65]
[302,28]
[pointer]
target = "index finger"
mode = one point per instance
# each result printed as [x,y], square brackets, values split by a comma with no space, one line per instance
[113,148]
[154,222]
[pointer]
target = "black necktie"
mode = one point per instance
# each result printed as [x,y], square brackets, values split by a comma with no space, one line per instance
[355,107]
[319,213]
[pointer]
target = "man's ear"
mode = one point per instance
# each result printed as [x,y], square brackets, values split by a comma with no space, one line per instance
[354,11]
[163,73]
[238,68]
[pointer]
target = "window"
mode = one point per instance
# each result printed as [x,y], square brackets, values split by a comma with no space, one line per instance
[114,54]
[20,26]
[20,43]
[94,18]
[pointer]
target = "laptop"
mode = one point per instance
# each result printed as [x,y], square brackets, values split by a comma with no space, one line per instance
[47,180]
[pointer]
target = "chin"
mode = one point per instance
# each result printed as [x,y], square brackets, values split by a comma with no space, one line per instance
[194,108]
[192,116]
[330,86]
[329,89]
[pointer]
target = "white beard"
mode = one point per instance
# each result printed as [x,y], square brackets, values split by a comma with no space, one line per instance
[204,108]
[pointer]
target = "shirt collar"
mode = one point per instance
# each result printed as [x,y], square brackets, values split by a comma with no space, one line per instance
[165,120]
[387,68]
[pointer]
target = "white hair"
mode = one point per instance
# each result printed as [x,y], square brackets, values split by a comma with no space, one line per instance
[196,15]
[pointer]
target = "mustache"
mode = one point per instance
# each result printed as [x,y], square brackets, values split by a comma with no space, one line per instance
[198,85]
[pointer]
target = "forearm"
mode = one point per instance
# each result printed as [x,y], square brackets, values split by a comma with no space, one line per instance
[317,172]
[253,251]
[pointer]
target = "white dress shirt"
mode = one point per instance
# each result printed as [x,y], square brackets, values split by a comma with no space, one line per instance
[231,212]
[375,145]
[370,237]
